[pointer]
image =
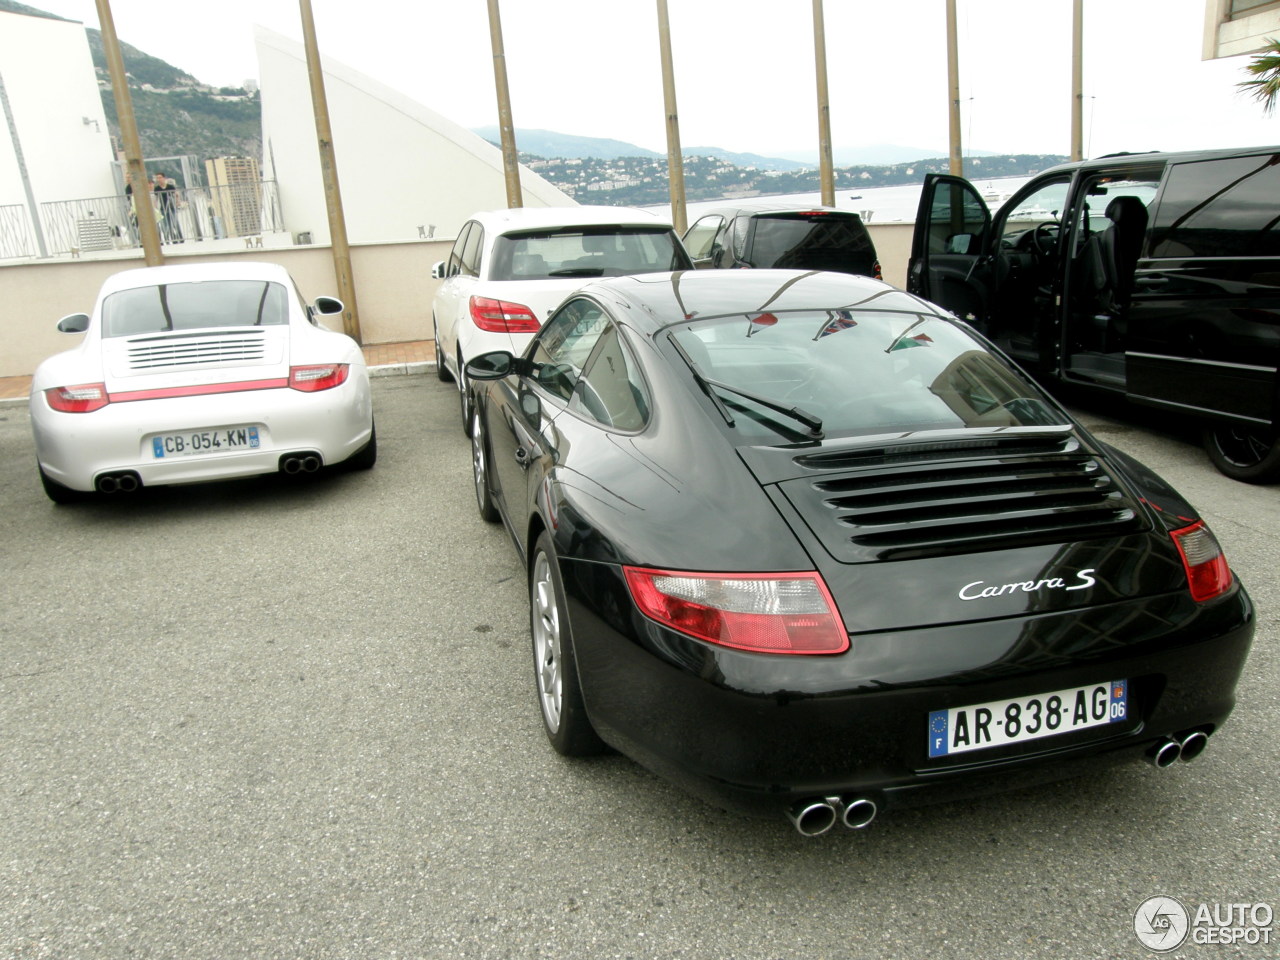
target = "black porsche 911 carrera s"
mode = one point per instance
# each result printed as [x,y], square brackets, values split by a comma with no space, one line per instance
[804,543]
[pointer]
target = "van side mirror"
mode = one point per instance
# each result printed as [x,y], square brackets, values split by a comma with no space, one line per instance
[960,243]
[492,366]
[74,323]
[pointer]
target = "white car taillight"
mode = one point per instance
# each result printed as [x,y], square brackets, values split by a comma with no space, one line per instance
[82,398]
[760,612]
[1208,575]
[502,316]
[319,377]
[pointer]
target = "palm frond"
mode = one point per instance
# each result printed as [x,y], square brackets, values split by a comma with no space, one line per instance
[1265,68]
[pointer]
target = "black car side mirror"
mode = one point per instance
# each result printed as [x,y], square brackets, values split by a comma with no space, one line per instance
[74,323]
[492,366]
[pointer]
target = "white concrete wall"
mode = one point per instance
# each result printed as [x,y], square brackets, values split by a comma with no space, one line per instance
[400,165]
[49,79]
[392,281]
[393,285]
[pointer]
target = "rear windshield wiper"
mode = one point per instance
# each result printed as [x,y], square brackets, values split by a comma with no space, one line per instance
[709,385]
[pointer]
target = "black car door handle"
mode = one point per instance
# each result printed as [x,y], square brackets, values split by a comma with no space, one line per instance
[1151,282]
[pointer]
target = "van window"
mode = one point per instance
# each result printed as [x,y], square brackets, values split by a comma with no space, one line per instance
[1220,208]
[957,220]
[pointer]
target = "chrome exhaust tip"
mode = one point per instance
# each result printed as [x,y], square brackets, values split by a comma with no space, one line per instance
[1192,744]
[310,464]
[1165,754]
[290,465]
[107,484]
[813,818]
[859,812]
[127,483]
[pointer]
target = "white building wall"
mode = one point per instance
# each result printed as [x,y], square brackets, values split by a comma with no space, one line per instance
[401,166]
[50,82]
[1248,33]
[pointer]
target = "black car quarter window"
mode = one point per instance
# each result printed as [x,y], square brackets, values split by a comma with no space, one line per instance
[611,390]
[1220,208]
[560,351]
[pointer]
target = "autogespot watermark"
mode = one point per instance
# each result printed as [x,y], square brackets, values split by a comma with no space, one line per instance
[1165,923]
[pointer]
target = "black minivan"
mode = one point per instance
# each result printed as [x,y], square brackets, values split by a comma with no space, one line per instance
[1154,276]
[764,233]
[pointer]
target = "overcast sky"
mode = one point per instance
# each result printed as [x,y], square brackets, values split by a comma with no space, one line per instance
[744,69]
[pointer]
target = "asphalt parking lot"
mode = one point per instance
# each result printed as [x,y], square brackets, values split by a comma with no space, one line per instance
[296,720]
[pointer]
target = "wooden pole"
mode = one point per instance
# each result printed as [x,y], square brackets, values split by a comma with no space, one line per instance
[953,90]
[1077,81]
[826,169]
[506,129]
[675,162]
[329,174]
[135,170]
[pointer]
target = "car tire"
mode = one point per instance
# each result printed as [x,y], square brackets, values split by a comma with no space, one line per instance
[480,470]
[1244,454]
[555,669]
[442,372]
[366,456]
[60,494]
[465,405]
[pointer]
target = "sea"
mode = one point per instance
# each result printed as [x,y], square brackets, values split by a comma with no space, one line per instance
[874,204]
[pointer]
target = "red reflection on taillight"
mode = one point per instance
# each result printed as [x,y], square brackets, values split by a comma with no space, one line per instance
[1208,575]
[502,316]
[82,398]
[876,271]
[324,376]
[760,612]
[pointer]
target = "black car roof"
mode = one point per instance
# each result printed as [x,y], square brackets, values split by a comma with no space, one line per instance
[1145,159]
[653,300]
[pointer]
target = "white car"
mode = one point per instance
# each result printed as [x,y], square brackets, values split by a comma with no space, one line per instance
[194,373]
[510,268]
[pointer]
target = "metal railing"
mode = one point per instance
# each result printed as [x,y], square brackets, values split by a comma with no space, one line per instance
[16,240]
[73,227]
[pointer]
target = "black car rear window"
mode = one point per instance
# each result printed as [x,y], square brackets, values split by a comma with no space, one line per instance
[859,371]
[194,306]
[609,251]
[811,241]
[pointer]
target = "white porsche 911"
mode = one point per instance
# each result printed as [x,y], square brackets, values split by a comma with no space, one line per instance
[195,373]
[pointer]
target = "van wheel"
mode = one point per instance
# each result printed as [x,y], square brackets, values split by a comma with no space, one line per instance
[1248,454]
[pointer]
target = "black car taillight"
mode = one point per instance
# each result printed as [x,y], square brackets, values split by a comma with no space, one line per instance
[1208,575]
[759,612]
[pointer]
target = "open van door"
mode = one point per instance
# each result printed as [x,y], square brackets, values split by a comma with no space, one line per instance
[949,248]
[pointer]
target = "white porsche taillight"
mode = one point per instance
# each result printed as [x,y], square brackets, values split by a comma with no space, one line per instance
[503,316]
[1208,575]
[760,612]
[82,398]
[319,377]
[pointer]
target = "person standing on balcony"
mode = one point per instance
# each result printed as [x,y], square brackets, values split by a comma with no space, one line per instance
[167,192]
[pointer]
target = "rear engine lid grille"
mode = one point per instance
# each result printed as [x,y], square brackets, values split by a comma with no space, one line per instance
[176,351]
[962,498]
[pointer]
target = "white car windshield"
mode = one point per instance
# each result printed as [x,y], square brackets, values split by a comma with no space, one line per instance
[609,251]
[194,306]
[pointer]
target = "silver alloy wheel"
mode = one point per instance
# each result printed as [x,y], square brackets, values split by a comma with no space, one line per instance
[546,640]
[478,465]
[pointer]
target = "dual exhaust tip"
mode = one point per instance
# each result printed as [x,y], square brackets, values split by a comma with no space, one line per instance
[296,463]
[1181,746]
[813,818]
[126,482]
